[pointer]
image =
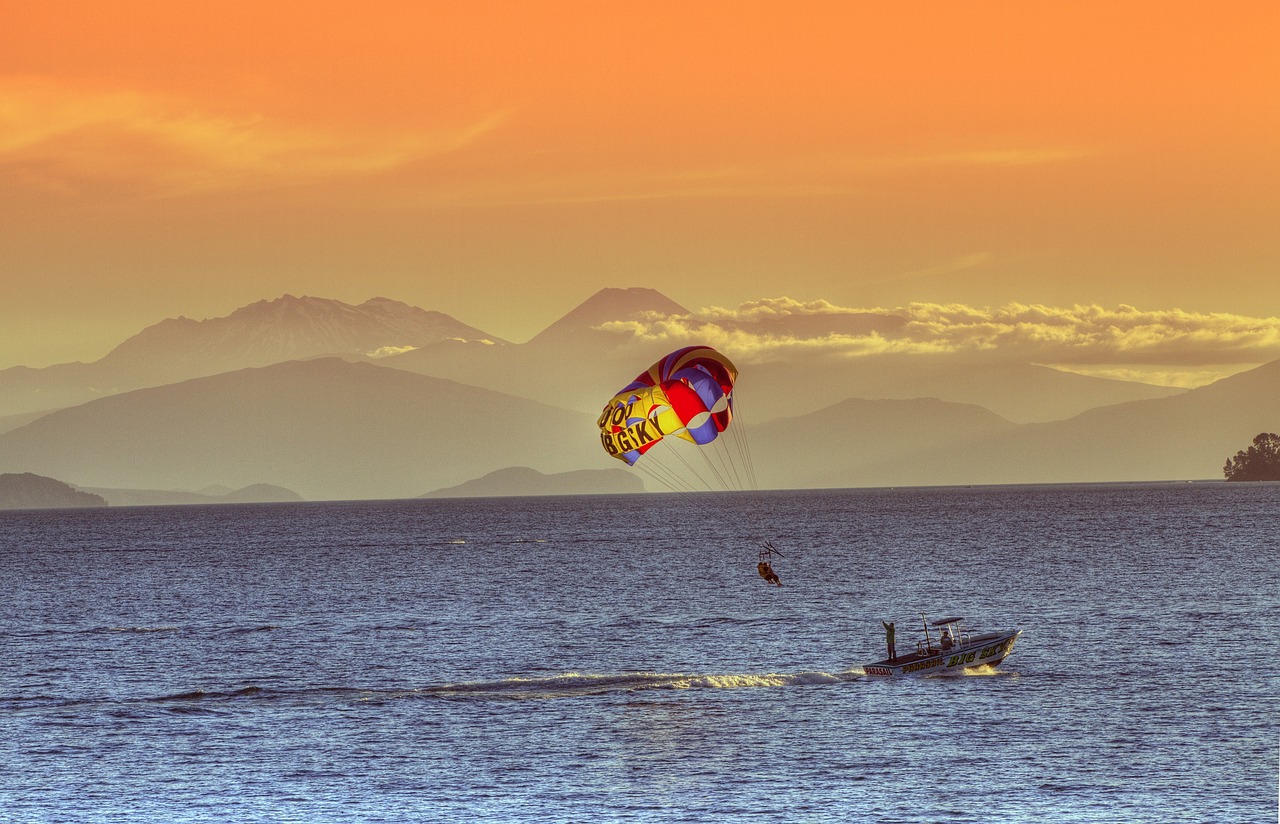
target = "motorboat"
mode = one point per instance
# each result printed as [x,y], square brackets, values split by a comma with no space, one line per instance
[950,648]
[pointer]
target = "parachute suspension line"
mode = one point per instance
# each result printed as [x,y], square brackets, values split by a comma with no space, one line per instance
[706,458]
[706,499]
[675,451]
[724,457]
[730,495]
[659,463]
[744,459]
[654,468]
[736,474]
[664,475]
[744,447]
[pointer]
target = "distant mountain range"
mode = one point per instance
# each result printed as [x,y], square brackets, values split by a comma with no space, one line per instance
[261,334]
[288,393]
[573,363]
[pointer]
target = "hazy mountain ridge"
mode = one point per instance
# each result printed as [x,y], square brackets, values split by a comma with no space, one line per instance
[1183,437]
[29,491]
[252,494]
[326,428]
[521,481]
[827,448]
[1024,393]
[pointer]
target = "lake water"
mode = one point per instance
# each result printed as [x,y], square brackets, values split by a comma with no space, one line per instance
[618,659]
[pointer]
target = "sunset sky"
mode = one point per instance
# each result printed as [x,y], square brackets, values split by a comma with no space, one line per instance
[502,161]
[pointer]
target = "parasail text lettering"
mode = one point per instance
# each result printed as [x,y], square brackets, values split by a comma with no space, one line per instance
[631,438]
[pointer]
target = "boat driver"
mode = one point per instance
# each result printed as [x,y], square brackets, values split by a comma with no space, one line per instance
[946,638]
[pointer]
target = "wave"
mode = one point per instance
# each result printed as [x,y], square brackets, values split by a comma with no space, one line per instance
[130,629]
[137,630]
[202,695]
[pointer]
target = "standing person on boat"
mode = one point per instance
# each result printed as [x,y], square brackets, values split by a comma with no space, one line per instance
[946,638]
[888,639]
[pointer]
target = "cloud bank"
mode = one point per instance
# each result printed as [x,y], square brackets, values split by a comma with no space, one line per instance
[1079,337]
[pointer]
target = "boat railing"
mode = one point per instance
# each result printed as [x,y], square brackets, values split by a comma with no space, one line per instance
[960,637]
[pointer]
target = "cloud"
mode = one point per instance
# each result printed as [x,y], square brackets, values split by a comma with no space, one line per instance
[1184,377]
[388,351]
[1077,337]
[1096,335]
[964,263]
[757,310]
[774,177]
[121,143]
[134,144]
[1007,156]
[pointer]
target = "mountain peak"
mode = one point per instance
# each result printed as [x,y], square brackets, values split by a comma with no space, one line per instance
[286,328]
[610,304]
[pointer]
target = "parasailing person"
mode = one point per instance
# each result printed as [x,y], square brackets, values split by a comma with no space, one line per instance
[765,565]
[679,413]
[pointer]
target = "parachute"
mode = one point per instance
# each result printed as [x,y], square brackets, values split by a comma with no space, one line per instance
[688,394]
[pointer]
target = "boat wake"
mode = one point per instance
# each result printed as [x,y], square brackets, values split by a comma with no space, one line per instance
[579,684]
[568,685]
[984,671]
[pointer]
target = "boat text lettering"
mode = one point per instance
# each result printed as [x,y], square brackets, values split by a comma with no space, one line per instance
[985,652]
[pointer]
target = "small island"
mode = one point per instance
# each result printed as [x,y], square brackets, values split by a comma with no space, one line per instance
[28,491]
[1260,462]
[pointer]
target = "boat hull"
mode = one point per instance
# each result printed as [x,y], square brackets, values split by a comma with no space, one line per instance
[987,650]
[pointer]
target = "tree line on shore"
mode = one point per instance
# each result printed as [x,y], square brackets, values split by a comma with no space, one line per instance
[1260,462]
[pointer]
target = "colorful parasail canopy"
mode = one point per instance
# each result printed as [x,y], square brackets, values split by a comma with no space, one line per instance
[688,394]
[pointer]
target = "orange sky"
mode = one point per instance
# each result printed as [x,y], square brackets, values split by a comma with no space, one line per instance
[501,161]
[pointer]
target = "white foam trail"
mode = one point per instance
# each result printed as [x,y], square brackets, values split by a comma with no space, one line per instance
[980,671]
[575,683]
